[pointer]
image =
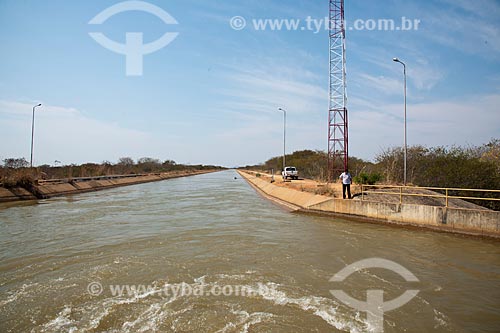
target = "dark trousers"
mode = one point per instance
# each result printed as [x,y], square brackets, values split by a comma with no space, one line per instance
[348,187]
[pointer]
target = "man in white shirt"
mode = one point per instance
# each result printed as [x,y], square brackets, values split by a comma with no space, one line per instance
[346,183]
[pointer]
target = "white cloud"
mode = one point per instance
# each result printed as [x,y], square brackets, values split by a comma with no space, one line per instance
[65,134]
[423,74]
[481,8]
[471,121]
[385,85]
[277,89]
[257,93]
[473,30]
[423,71]
[251,107]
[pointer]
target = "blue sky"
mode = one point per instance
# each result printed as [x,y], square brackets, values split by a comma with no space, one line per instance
[211,95]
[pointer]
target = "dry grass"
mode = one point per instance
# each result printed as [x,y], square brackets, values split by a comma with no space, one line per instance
[22,177]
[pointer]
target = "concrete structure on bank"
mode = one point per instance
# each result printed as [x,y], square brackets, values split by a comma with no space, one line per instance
[465,221]
[14,194]
[80,185]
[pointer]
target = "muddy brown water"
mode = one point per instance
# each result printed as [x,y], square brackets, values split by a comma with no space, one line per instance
[208,254]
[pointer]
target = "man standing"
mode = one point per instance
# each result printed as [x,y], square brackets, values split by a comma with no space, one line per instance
[346,183]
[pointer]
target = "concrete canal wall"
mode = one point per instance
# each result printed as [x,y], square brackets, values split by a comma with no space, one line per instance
[47,189]
[465,221]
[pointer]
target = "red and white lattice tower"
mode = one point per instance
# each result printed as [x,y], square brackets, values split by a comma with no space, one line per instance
[338,139]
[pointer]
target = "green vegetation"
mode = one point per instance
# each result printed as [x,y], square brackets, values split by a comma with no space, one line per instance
[471,167]
[455,167]
[312,164]
[475,167]
[365,178]
[16,171]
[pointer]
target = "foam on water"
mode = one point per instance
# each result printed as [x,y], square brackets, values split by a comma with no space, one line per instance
[441,319]
[148,320]
[23,291]
[61,323]
[157,308]
[245,320]
[325,308]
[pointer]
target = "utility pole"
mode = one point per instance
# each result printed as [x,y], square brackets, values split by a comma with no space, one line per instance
[284,136]
[33,133]
[405,136]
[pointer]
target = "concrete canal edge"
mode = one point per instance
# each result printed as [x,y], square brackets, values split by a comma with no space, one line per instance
[464,221]
[74,186]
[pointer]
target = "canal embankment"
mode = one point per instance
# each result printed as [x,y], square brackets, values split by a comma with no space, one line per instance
[457,220]
[43,189]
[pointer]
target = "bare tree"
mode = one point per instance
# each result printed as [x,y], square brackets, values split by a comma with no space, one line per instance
[127,161]
[15,163]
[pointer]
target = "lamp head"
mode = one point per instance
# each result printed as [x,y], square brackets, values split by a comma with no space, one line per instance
[395,59]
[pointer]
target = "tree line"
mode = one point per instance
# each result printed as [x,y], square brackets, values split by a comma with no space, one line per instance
[472,167]
[16,171]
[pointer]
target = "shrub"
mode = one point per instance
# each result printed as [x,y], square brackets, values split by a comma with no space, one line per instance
[367,179]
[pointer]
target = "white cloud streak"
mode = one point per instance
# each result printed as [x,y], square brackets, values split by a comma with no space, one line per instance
[65,134]
[473,121]
[472,29]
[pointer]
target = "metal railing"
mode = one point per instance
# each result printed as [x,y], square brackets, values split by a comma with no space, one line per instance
[85,179]
[446,196]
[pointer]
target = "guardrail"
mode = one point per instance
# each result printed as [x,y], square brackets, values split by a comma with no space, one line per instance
[86,179]
[446,196]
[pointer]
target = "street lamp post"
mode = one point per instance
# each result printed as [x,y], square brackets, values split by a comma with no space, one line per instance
[284,136]
[33,133]
[405,137]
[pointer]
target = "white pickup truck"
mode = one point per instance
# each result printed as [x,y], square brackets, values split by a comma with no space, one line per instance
[290,172]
